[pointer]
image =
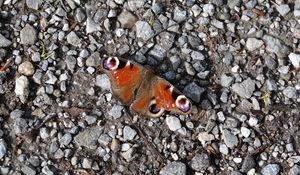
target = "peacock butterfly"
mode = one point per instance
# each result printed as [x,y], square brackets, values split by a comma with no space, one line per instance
[138,87]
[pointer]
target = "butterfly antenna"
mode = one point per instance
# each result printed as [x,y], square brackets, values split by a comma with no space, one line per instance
[146,141]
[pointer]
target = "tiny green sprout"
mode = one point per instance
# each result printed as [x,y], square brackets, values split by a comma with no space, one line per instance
[266,98]
[150,19]
[44,55]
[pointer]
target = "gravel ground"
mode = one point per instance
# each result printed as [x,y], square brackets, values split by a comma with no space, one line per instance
[237,60]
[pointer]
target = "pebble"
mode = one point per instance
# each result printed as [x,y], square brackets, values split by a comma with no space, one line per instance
[103,82]
[128,133]
[66,139]
[283,9]
[270,169]
[209,9]
[248,164]
[73,39]
[88,137]
[245,132]
[223,149]
[4,42]
[230,140]
[179,14]
[234,3]
[22,88]
[274,45]
[134,5]
[46,170]
[93,60]
[143,30]
[295,59]
[26,68]
[193,91]
[34,4]
[44,133]
[244,89]
[17,113]
[205,137]
[226,80]
[290,92]
[200,162]
[253,44]
[28,35]
[3,148]
[28,170]
[173,123]
[158,52]
[116,111]
[52,79]
[127,19]
[174,168]
[295,170]
[87,163]
[91,26]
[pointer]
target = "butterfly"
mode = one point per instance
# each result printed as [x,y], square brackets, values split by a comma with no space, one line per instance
[139,88]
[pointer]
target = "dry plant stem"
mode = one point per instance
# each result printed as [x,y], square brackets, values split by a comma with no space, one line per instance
[5,66]
[146,141]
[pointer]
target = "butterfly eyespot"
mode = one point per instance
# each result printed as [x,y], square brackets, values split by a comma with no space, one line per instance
[110,63]
[183,104]
[154,109]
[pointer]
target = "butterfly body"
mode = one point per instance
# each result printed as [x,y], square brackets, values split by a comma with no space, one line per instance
[138,87]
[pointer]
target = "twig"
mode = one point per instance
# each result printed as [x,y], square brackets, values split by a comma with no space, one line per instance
[5,66]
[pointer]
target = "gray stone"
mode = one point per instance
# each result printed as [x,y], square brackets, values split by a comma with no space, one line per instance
[270,63]
[87,163]
[37,76]
[34,4]
[158,52]
[73,39]
[173,123]
[189,68]
[209,9]
[80,15]
[230,140]
[283,9]
[90,119]
[226,80]
[104,139]
[93,60]
[128,133]
[175,60]
[17,113]
[3,148]
[127,19]
[274,45]
[234,3]
[166,40]
[116,111]
[91,26]
[193,91]
[218,24]
[44,133]
[103,82]
[143,30]
[133,5]
[270,169]
[271,84]
[66,139]
[28,35]
[253,44]
[290,92]
[88,137]
[46,170]
[22,88]
[200,162]
[28,170]
[20,126]
[71,62]
[295,170]
[174,168]
[244,89]
[52,79]
[4,42]
[59,154]
[26,68]
[179,14]
[295,59]
[248,164]
[197,55]
[235,173]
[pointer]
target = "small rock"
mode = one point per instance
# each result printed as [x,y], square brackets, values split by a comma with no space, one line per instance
[174,168]
[245,132]
[71,62]
[230,140]
[88,137]
[274,45]
[223,149]
[87,163]
[22,88]
[28,170]
[46,170]
[193,91]
[91,26]
[28,35]
[26,68]
[143,30]
[270,169]
[34,4]
[197,55]
[209,9]
[17,113]
[290,92]
[283,9]
[244,89]
[253,44]
[158,52]
[133,5]
[127,19]
[179,14]
[93,60]
[173,123]
[3,148]
[128,133]
[200,162]
[295,59]
[52,79]
[205,137]
[295,170]
[116,111]
[226,80]
[73,39]
[234,3]
[4,42]
[66,139]
[248,164]
[103,82]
